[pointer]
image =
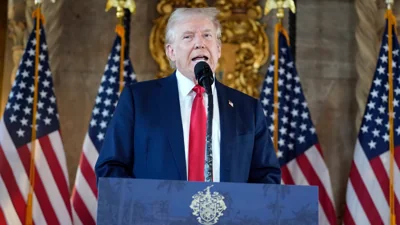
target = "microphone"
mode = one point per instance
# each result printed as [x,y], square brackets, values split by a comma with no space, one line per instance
[204,75]
[205,78]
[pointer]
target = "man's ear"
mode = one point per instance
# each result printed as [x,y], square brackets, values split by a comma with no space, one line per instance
[170,51]
[219,50]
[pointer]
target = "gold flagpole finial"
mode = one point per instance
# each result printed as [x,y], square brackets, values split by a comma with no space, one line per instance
[389,3]
[280,5]
[38,2]
[121,5]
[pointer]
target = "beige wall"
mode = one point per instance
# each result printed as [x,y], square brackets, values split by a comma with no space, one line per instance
[325,62]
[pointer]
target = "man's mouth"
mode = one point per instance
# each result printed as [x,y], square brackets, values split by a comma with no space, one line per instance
[200,58]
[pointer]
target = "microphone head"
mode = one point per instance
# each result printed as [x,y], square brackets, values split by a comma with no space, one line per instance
[204,74]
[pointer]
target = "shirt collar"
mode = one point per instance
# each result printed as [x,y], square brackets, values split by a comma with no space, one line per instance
[185,85]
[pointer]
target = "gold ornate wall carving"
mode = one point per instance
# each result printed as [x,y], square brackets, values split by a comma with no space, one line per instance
[245,45]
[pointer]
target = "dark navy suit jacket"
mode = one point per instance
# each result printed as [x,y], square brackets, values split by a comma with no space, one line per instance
[144,139]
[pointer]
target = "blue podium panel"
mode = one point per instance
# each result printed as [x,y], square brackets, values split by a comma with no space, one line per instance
[165,202]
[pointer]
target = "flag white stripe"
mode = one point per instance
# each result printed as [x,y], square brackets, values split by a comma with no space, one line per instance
[90,151]
[38,216]
[370,181]
[56,142]
[322,219]
[297,173]
[77,221]
[14,161]
[397,181]
[318,163]
[19,172]
[385,158]
[88,198]
[300,179]
[7,206]
[82,187]
[50,186]
[355,208]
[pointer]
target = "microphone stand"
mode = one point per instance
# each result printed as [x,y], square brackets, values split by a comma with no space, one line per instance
[209,156]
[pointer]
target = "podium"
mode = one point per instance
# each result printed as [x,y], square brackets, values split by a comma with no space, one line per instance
[124,201]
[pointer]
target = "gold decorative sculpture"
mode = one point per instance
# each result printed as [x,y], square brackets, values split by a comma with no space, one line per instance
[120,5]
[245,45]
[280,5]
[244,42]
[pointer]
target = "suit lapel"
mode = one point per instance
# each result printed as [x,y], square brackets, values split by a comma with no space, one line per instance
[228,130]
[173,122]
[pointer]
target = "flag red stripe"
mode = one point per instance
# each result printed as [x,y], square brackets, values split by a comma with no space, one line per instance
[383,180]
[56,171]
[2,218]
[347,218]
[286,176]
[397,160]
[313,179]
[318,147]
[88,172]
[364,196]
[81,209]
[40,192]
[25,157]
[12,187]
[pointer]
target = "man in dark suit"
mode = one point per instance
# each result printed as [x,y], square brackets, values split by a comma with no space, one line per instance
[158,130]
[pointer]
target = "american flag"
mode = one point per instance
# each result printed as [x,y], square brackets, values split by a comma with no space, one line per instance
[298,151]
[367,198]
[51,203]
[84,195]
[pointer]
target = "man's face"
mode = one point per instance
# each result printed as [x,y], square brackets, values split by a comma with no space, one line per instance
[195,40]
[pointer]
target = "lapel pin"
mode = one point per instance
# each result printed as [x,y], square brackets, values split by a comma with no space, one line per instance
[230,103]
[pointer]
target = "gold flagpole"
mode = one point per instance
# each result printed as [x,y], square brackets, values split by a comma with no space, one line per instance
[120,5]
[391,21]
[29,206]
[280,5]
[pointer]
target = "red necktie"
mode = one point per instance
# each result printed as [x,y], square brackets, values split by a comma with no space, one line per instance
[197,136]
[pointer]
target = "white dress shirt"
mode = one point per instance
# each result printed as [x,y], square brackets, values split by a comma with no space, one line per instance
[186,97]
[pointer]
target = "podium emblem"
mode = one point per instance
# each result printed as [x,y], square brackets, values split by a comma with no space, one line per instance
[208,207]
